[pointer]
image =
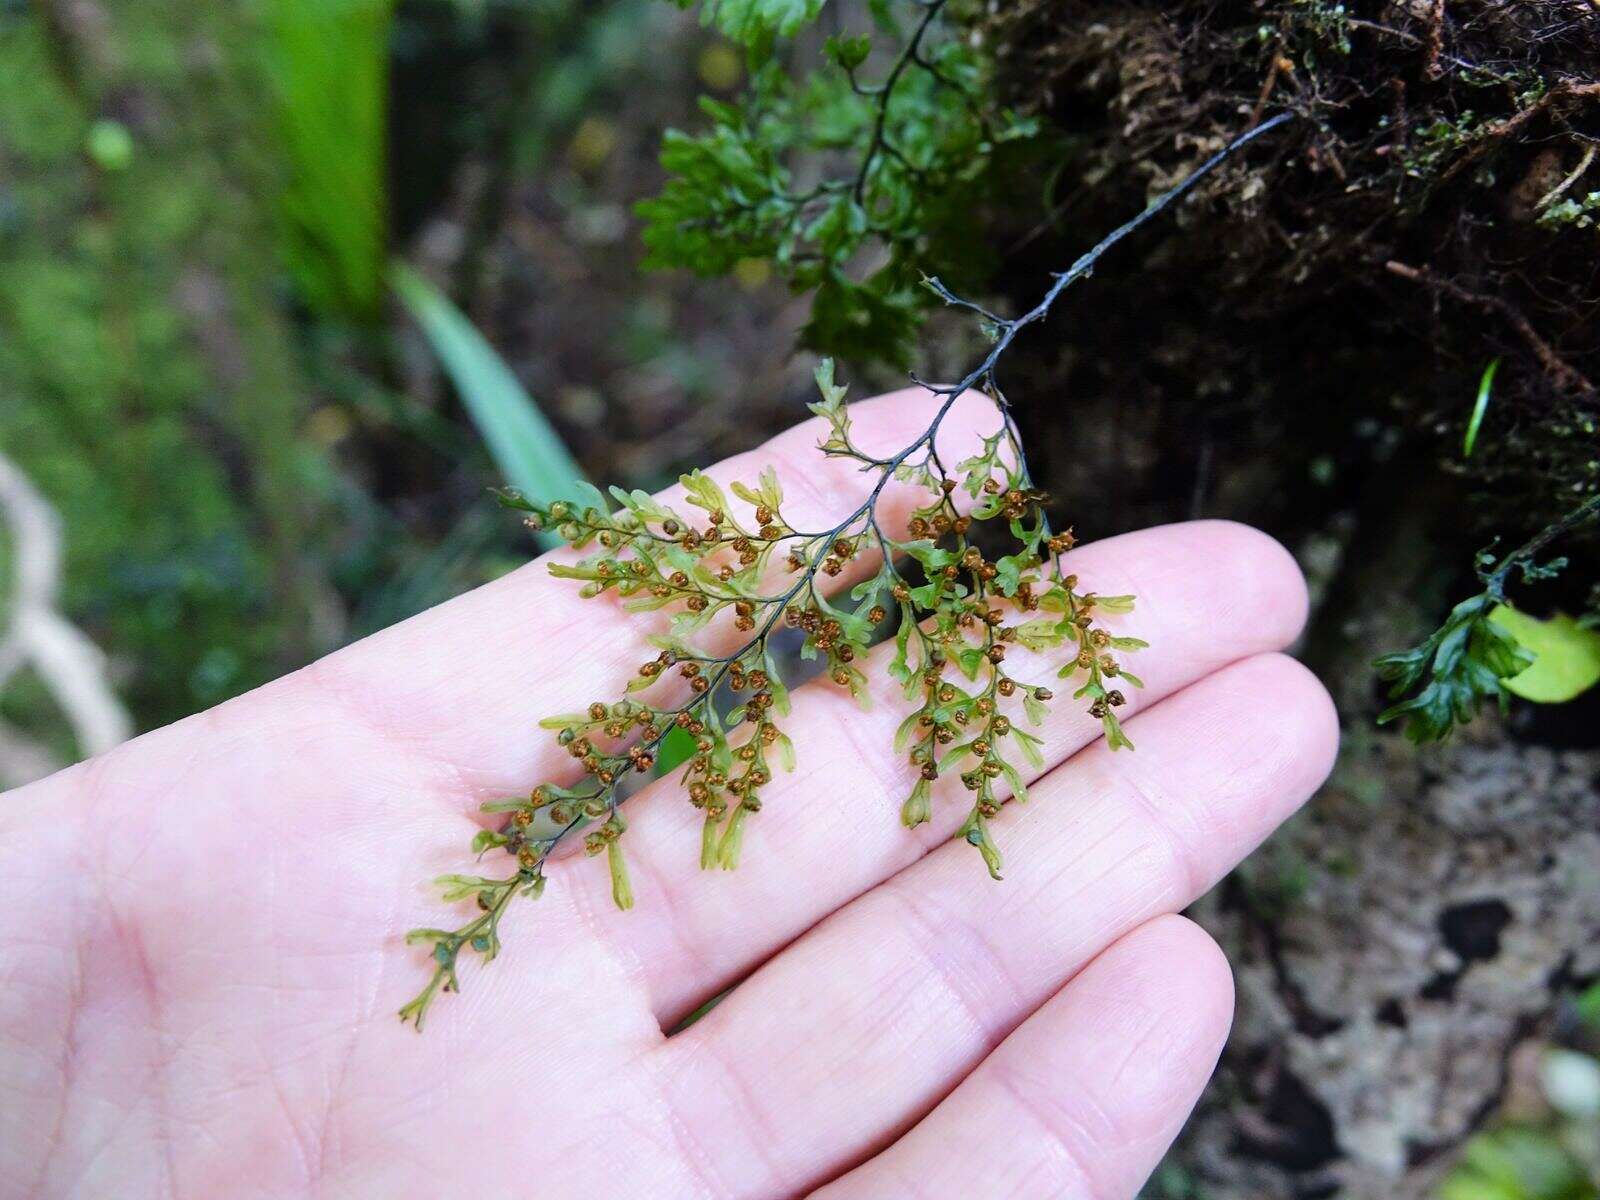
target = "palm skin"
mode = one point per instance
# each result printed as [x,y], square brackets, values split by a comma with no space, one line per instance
[202,947]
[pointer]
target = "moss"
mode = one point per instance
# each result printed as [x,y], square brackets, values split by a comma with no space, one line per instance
[151,388]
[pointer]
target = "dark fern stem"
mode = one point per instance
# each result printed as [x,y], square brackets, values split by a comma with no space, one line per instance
[957,614]
[1496,579]
[882,94]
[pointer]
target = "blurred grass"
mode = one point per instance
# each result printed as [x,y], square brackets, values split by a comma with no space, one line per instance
[527,449]
[327,62]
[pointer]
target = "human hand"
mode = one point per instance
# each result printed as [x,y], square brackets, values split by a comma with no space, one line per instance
[202,959]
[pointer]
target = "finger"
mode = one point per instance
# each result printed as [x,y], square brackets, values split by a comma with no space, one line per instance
[465,683]
[861,1025]
[1086,1095]
[1208,593]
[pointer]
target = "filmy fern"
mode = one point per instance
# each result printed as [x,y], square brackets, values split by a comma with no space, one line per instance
[957,610]
[1443,680]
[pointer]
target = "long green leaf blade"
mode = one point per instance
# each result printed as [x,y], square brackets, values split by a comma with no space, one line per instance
[1481,406]
[525,446]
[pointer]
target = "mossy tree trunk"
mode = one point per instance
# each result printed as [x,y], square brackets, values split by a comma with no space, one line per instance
[158,397]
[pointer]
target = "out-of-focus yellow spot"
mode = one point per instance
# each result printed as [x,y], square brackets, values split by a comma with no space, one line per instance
[328,425]
[1566,659]
[592,143]
[581,405]
[752,273]
[720,67]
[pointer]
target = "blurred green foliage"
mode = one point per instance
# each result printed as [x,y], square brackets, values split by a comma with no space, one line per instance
[149,378]
[255,455]
[856,168]
[197,207]
[328,68]
[1553,1151]
[756,22]
[1518,1164]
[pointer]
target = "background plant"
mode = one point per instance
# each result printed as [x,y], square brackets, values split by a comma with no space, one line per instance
[1552,1150]
[1476,654]
[855,169]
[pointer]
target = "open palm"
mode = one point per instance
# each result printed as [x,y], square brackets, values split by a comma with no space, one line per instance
[201,951]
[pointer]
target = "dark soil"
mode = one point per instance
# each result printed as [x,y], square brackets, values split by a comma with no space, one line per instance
[1333,297]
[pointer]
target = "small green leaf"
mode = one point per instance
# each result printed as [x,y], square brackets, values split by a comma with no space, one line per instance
[976,833]
[1032,748]
[908,727]
[848,52]
[1019,786]
[621,888]
[831,407]
[1034,708]
[703,492]
[783,752]
[752,22]
[918,806]
[1567,656]
[1115,738]
[486,839]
